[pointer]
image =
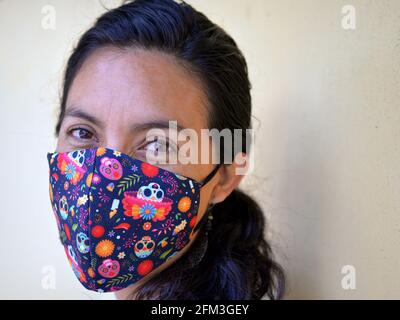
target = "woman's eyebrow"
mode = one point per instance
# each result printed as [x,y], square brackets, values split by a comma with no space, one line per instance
[78,113]
[160,124]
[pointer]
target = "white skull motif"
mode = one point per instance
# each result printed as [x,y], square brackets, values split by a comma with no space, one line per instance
[144,247]
[152,192]
[82,242]
[63,207]
[77,157]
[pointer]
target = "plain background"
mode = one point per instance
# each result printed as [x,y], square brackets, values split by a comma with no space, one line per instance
[327,169]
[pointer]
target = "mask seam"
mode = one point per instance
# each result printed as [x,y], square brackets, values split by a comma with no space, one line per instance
[197,214]
[89,218]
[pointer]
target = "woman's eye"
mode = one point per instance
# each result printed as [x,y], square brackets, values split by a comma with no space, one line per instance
[80,133]
[158,151]
[157,147]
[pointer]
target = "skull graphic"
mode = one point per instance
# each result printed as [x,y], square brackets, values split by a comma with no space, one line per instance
[144,247]
[111,168]
[152,192]
[77,157]
[109,268]
[82,242]
[63,207]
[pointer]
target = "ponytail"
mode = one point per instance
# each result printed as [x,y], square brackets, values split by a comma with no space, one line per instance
[240,259]
[236,261]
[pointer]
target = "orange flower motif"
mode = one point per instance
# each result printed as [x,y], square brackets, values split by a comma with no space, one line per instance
[105,248]
[91,272]
[100,151]
[184,204]
[147,226]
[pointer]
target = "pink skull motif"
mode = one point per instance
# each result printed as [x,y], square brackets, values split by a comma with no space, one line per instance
[109,268]
[111,168]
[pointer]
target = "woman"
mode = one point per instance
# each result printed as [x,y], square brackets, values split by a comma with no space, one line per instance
[140,66]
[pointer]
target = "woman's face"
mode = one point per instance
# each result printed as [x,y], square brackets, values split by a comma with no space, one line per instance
[117,96]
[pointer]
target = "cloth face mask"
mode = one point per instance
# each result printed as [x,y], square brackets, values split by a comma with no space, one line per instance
[118,217]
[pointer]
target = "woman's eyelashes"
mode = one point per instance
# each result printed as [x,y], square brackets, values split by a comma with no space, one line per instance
[81,134]
[81,138]
[156,148]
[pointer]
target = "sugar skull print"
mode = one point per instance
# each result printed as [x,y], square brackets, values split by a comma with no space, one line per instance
[63,207]
[152,192]
[111,168]
[144,247]
[117,216]
[148,203]
[72,166]
[82,242]
[109,268]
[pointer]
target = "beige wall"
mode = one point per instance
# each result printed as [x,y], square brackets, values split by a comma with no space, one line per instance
[327,147]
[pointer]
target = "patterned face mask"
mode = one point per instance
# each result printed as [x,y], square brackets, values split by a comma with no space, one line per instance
[120,218]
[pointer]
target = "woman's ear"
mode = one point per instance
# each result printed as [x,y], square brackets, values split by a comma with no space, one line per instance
[230,176]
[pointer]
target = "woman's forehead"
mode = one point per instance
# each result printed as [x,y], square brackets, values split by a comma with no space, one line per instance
[135,86]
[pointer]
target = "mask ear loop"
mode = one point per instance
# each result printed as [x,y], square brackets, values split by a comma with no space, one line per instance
[210,176]
[207,217]
[202,246]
